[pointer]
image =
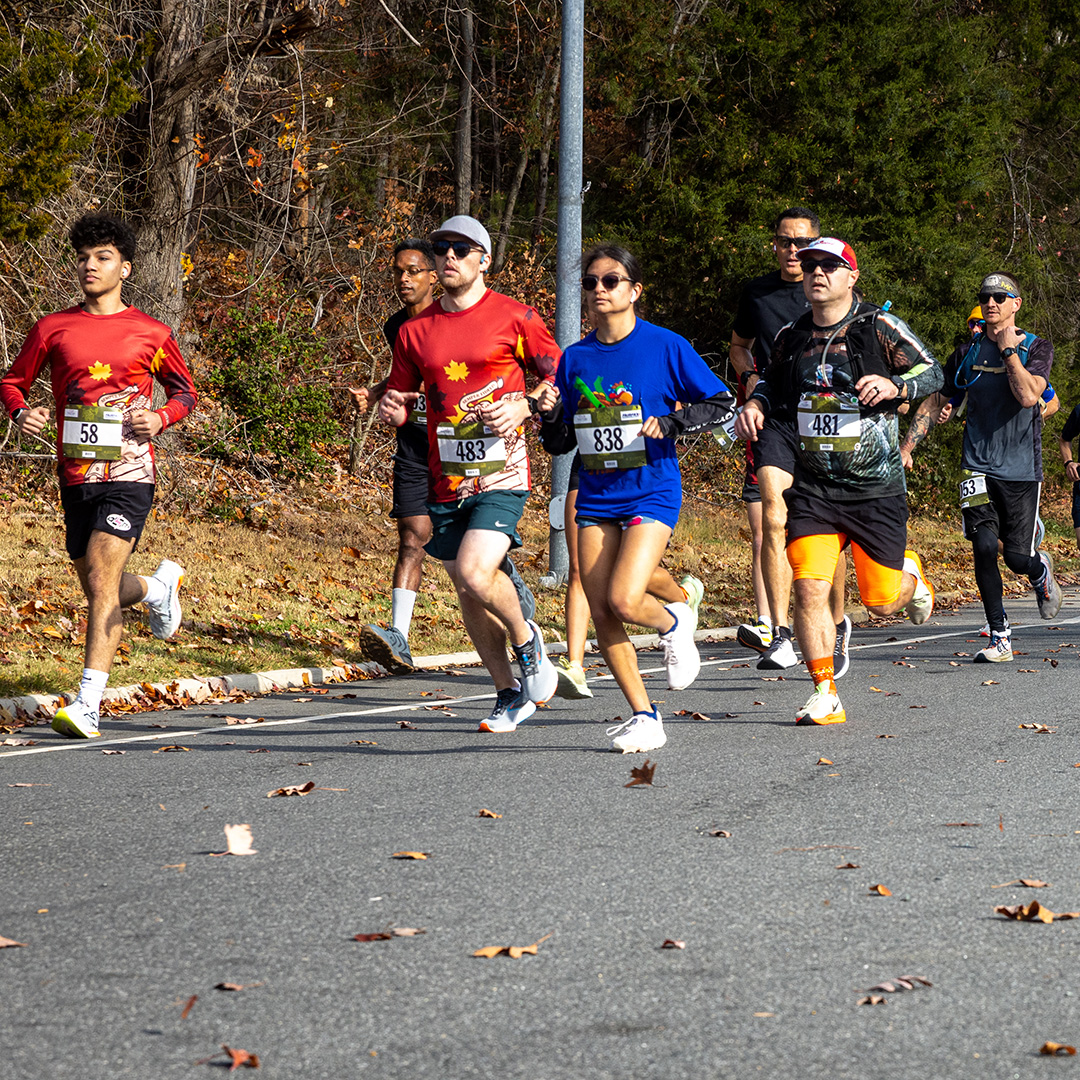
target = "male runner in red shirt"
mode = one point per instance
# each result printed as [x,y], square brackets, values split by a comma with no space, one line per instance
[103,357]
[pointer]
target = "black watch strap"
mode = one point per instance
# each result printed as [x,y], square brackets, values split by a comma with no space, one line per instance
[17,413]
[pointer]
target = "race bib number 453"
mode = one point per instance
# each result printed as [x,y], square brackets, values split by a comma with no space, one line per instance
[470,449]
[973,489]
[92,432]
[610,438]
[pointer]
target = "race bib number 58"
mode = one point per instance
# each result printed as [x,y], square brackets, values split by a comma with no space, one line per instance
[92,432]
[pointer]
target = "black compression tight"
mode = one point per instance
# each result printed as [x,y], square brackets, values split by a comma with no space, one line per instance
[984,546]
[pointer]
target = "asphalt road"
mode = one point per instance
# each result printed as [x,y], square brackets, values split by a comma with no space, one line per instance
[106,876]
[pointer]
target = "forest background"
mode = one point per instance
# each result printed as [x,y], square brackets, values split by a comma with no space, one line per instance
[272,153]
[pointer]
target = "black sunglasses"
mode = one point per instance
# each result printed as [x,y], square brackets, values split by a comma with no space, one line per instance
[461,248]
[797,242]
[997,297]
[828,265]
[609,281]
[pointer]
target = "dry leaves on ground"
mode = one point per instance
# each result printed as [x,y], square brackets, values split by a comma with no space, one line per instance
[391,932]
[363,742]
[293,789]
[174,749]
[847,866]
[7,943]
[236,1058]
[238,840]
[692,715]
[1039,729]
[642,774]
[236,986]
[900,983]
[720,832]
[824,761]
[673,943]
[1027,882]
[1033,912]
[515,952]
[879,890]
[405,725]
[17,742]
[1056,1048]
[245,719]
[873,999]
[410,855]
[962,825]
[114,751]
[488,814]
[188,1006]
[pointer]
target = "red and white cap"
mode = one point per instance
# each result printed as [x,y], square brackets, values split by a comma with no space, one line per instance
[829,245]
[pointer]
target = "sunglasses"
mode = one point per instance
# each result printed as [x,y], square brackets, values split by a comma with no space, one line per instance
[797,242]
[609,281]
[460,248]
[828,265]
[997,297]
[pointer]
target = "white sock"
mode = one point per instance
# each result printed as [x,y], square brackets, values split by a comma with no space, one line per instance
[92,687]
[157,592]
[401,609]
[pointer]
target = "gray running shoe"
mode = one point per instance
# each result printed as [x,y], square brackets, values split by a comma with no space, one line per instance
[389,647]
[1048,591]
[538,676]
[524,593]
[841,658]
[999,651]
[780,655]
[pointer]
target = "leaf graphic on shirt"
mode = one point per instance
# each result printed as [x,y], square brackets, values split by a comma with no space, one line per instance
[100,371]
[456,371]
[156,362]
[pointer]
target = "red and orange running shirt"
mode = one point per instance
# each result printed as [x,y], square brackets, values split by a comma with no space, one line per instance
[465,358]
[102,369]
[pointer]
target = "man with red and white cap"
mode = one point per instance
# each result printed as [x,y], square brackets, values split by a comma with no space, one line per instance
[842,371]
[470,350]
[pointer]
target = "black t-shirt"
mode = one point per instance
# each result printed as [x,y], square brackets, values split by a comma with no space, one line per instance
[1072,425]
[767,304]
[393,325]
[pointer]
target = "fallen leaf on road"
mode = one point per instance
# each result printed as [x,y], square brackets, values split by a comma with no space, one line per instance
[23,784]
[1031,883]
[236,986]
[406,726]
[991,682]
[187,1008]
[7,943]
[886,736]
[900,983]
[302,700]
[410,855]
[488,813]
[382,935]
[261,750]
[953,663]
[114,751]
[642,774]
[407,931]
[962,825]
[238,839]
[772,678]
[692,715]
[961,654]
[245,719]
[671,943]
[873,999]
[1056,1048]
[1040,729]
[293,789]
[916,706]
[876,690]
[174,749]
[515,952]
[1027,671]
[879,890]
[178,867]
[720,832]
[1033,912]
[17,742]
[1053,663]
[756,702]
[240,1057]
[824,761]
[363,742]
[847,866]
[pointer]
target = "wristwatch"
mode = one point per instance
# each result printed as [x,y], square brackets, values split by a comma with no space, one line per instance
[16,414]
[534,405]
[1006,353]
[899,384]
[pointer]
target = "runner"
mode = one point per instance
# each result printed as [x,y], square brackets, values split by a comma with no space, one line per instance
[843,369]
[1004,372]
[103,357]
[623,382]
[769,303]
[414,283]
[1072,468]
[470,351]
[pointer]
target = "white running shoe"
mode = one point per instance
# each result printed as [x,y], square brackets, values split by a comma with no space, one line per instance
[642,732]
[165,617]
[780,655]
[695,591]
[757,636]
[985,631]
[921,605]
[538,677]
[572,681]
[840,657]
[822,707]
[1048,591]
[999,651]
[511,708]
[76,721]
[681,657]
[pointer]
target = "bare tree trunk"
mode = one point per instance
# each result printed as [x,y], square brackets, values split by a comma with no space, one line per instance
[547,137]
[508,209]
[463,137]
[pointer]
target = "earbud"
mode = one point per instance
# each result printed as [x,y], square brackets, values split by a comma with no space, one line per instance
[123,273]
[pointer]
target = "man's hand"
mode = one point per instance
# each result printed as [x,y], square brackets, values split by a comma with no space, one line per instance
[905,457]
[394,406]
[1072,471]
[548,397]
[875,390]
[146,424]
[33,421]
[504,416]
[749,422]
[651,428]
[361,396]
[1009,337]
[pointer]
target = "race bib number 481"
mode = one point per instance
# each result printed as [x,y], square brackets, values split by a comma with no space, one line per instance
[610,438]
[92,432]
[828,423]
[470,449]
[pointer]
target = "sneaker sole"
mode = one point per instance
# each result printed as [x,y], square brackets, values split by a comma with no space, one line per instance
[174,599]
[845,655]
[379,651]
[769,664]
[638,749]
[569,690]
[63,726]
[917,618]
[748,642]
[979,659]
[484,726]
[822,721]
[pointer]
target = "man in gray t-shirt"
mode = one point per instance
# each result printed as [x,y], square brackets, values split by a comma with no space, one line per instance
[1004,372]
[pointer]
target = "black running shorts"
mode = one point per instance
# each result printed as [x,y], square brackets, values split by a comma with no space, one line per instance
[116,507]
[411,475]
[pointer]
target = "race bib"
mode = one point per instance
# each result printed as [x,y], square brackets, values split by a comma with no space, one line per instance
[827,422]
[470,449]
[972,489]
[610,438]
[92,431]
[418,413]
[725,433]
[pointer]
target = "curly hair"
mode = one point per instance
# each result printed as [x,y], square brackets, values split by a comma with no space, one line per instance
[97,230]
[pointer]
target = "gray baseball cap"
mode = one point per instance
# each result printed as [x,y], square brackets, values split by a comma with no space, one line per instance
[463,225]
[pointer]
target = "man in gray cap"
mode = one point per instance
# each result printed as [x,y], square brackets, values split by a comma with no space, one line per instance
[470,351]
[1004,372]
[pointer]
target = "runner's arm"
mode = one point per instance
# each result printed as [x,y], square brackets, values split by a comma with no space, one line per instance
[556,435]
[921,423]
[1072,467]
[742,360]
[709,413]
[916,372]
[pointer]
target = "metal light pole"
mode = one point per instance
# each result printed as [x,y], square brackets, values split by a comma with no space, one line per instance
[568,252]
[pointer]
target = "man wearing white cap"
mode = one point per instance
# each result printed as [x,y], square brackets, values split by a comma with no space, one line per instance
[842,370]
[1005,372]
[470,350]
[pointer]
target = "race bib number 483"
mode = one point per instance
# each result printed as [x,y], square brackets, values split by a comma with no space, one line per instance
[610,438]
[470,449]
[92,432]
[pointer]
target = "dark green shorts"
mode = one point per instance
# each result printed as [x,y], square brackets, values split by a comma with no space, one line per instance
[494,511]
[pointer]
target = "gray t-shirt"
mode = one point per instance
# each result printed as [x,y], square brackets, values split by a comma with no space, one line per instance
[1001,438]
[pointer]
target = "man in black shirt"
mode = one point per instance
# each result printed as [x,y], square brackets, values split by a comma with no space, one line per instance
[768,303]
